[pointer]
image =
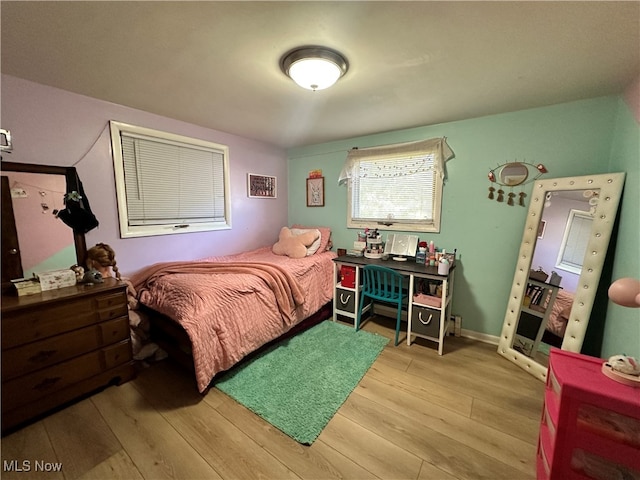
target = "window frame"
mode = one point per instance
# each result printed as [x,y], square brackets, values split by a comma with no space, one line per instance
[403,225]
[561,262]
[131,231]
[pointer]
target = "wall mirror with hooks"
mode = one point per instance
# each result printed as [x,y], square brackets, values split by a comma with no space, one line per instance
[512,174]
[43,186]
[540,283]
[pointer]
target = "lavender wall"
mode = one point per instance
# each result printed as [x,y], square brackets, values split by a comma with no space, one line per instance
[54,127]
[548,247]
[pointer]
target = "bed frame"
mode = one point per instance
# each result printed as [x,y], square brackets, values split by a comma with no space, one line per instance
[552,339]
[171,337]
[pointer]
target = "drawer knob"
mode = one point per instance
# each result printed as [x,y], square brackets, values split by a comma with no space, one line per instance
[423,322]
[47,383]
[41,356]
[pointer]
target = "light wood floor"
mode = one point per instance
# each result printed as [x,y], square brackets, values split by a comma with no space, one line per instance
[469,414]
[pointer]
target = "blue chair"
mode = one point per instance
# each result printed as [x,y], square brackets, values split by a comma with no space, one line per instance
[385,285]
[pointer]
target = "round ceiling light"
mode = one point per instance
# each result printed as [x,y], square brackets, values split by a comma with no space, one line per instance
[314,68]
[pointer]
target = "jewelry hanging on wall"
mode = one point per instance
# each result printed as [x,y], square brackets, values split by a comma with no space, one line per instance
[512,174]
[521,199]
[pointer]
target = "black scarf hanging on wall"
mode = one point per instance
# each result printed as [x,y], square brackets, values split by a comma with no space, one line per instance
[77,212]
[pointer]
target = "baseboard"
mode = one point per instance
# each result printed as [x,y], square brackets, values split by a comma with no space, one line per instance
[480,337]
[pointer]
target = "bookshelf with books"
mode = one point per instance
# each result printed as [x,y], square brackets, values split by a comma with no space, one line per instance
[534,315]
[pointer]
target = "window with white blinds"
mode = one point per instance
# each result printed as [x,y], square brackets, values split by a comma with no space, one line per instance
[395,190]
[405,197]
[574,242]
[168,183]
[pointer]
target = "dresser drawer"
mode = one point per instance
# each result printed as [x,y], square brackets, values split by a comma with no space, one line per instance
[117,354]
[114,330]
[41,354]
[33,386]
[38,384]
[425,321]
[36,323]
[345,300]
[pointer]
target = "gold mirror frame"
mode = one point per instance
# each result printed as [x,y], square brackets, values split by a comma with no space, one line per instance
[513,174]
[610,186]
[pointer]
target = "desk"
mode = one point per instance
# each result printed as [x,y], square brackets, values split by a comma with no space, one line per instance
[427,317]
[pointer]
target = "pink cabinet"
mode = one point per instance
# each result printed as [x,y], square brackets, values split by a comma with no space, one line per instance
[590,426]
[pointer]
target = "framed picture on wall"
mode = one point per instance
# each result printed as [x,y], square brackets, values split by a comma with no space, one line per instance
[261,186]
[541,228]
[315,192]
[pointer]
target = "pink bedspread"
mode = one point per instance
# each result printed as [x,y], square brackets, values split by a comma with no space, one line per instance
[560,311]
[230,309]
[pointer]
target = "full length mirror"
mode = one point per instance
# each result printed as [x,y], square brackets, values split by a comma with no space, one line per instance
[33,239]
[563,248]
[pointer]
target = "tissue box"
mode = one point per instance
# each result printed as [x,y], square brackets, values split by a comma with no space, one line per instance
[26,286]
[56,279]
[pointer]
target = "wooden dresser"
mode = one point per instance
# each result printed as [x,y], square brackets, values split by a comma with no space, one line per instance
[62,344]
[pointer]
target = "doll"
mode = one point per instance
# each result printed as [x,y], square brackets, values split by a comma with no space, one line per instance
[102,258]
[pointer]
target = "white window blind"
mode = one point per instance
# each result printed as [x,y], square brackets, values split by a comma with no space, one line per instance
[169,184]
[574,243]
[396,187]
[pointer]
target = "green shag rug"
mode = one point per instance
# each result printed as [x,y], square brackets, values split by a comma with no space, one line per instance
[300,383]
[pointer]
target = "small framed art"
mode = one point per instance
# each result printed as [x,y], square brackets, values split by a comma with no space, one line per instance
[541,227]
[261,186]
[315,192]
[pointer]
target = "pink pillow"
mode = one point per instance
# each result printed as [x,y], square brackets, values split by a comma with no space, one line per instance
[325,236]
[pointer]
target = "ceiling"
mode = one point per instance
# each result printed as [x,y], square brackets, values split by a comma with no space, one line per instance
[216,64]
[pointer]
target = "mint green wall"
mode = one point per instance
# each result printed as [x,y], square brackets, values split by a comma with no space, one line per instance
[62,259]
[570,139]
[622,326]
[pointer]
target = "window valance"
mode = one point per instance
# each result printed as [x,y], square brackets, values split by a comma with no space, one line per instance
[415,153]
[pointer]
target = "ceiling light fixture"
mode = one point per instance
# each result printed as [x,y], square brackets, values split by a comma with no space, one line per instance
[314,68]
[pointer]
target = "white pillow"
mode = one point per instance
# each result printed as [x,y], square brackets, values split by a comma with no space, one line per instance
[313,248]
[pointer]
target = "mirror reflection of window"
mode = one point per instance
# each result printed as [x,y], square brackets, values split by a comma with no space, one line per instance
[574,243]
[548,249]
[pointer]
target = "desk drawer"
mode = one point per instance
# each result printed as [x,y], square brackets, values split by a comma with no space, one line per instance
[425,321]
[346,300]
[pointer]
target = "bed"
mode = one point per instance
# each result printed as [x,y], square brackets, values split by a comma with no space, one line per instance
[558,319]
[214,312]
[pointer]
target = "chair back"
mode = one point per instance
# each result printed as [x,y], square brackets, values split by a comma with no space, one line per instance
[382,283]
